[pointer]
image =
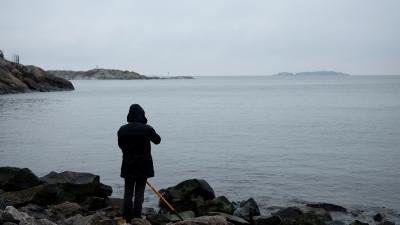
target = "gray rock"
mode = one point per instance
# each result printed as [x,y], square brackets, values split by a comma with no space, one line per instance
[230,218]
[43,194]
[138,221]
[37,212]
[188,195]
[148,211]
[289,214]
[10,223]
[204,220]
[219,204]
[357,222]
[185,215]
[378,217]
[44,222]
[16,215]
[247,209]
[65,210]
[293,215]
[16,179]
[267,220]
[387,223]
[113,207]
[79,184]
[3,202]
[158,219]
[328,207]
[93,203]
[95,219]
[323,214]
[335,222]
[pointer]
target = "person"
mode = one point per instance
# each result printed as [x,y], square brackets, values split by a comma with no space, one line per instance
[137,164]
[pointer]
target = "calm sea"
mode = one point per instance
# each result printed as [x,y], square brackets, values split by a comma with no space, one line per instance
[279,140]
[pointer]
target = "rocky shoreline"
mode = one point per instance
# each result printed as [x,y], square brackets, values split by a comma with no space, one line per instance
[18,78]
[75,198]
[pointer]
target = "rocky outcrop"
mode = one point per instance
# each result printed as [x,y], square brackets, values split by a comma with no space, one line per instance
[98,74]
[17,78]
[107,74]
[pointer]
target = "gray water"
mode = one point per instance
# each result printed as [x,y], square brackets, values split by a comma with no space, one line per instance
[279,140]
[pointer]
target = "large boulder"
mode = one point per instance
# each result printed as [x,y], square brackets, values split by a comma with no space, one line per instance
[188,195]
[16,179]
[79,184]
[294,216]
[43,194]
[247,209]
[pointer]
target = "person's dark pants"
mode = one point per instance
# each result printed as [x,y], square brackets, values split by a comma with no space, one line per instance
[133,185]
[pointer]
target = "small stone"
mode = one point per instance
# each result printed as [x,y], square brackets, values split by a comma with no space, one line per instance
[65,210]
[230,218]
[148,211]
[357,222]
[44,222]
[158,219]
[93,203]
[204,220]
[264,220]
[138,221]
[387,223]
[37,212]
[378,217]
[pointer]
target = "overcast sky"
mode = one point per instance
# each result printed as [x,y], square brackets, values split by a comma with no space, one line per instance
[205,37]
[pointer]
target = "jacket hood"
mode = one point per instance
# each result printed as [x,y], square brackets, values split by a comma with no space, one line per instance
[136,114]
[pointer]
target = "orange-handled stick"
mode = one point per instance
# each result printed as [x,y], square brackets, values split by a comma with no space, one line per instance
[164,200]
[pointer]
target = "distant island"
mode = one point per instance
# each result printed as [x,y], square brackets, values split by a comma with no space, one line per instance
[107,74]
[314,73]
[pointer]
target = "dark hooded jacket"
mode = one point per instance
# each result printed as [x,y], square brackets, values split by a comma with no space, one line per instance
[134,141]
